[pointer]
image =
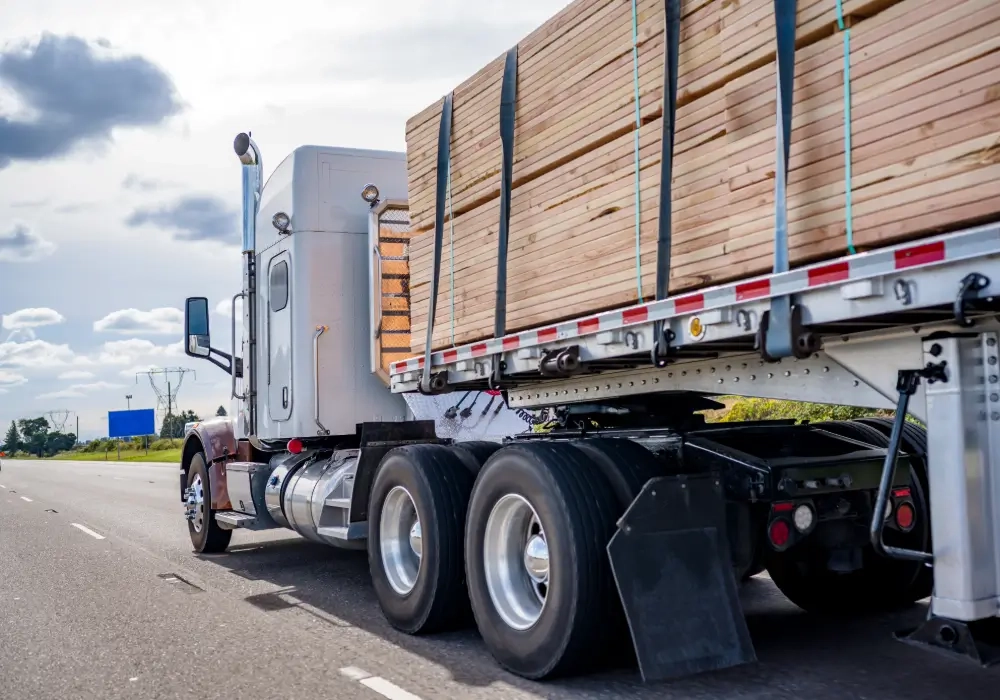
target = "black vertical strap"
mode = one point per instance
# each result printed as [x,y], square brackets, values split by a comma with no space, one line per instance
[778,341]
[671,58]
[443,161]
[508,102]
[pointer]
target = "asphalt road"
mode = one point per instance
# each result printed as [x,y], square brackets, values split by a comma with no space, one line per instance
[101,597]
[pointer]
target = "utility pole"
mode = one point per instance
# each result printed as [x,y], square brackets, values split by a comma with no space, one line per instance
[128,397]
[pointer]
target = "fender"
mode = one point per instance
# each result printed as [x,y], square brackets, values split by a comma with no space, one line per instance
[216,439]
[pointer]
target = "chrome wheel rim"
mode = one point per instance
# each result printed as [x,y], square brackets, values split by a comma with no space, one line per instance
[516,562]
[196,503]
[400,540]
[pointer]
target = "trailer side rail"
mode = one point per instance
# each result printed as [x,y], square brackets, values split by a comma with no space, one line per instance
[900,280]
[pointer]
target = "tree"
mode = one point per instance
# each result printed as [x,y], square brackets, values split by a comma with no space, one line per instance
[221,411]
[59,442]
[12,443]
[34,434]
[173,425]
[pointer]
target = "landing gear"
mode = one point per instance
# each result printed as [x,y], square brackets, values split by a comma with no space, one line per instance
[206,535]
[415,537]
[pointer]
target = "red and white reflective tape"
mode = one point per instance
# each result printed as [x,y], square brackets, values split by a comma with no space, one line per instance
[948,248]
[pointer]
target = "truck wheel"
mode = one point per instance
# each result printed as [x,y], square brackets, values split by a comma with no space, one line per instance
[206,535]
[882,584]
[540,583]
[416,522]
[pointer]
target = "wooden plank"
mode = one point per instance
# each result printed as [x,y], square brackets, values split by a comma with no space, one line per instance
[925,130]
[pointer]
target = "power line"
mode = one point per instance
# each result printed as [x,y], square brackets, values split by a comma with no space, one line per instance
[171,379]
[58,419]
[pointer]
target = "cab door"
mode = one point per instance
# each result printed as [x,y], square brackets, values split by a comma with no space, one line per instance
[279,337]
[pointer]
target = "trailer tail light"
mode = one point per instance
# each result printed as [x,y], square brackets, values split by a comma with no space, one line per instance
[783,507]
[905,517]
[294,446]
[779,533]
[804,517]
[902,493]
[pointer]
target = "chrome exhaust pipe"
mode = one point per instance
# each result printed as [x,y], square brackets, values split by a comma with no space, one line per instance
[253,184]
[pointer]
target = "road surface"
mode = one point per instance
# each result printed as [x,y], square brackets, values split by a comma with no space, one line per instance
[101,597]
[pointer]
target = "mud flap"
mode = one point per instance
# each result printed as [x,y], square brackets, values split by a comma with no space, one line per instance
[671,562]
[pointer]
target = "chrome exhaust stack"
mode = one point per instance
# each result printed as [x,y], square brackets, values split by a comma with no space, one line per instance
[253,184]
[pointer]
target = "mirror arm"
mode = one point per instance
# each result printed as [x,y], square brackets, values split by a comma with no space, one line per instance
[230,367]
[225,368]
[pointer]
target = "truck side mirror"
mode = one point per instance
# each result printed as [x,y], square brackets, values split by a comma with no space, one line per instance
[199,340]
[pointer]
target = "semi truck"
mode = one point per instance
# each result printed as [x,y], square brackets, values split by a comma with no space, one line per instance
[602,516]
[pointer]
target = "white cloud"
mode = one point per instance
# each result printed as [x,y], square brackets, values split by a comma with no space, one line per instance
[43,355]
[9,379]
[161,321]
[64,394]
[96,386]
[32,318]
[39,354]
[133,350]
[21,335]
[77,391]
[77,374]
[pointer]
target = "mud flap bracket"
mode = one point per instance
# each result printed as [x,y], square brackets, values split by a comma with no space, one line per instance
[672,565]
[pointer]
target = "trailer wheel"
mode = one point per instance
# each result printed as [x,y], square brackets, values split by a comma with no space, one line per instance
[540,584]
[474,453]
[416,522]
[206,535]
[625,464]
[881,584]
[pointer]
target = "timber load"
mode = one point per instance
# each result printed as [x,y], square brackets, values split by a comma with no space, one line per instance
[633,149]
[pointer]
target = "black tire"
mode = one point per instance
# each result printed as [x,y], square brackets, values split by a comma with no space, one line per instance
[212,539]
[882,584]
[475,453]
[626,466]
[439,484]
[577,512]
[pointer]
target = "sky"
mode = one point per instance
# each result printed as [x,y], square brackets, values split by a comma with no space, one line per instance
[119,189]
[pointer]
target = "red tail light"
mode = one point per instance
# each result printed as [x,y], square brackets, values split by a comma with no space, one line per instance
[778,533]
[294,446]
[905,516]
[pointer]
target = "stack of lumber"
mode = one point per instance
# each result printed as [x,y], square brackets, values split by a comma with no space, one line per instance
[392,272]
[924,85]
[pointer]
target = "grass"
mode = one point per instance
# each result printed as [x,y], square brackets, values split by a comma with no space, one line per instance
[168,455]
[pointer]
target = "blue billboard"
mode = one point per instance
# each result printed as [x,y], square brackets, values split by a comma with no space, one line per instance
[141,421]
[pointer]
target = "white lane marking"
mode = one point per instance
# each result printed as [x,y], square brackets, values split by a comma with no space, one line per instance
[380,685]
[90,532]
[25,498]
[2,486]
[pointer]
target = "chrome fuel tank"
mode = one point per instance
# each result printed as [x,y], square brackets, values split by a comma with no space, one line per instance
[316,498]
